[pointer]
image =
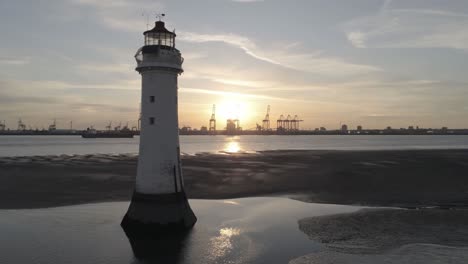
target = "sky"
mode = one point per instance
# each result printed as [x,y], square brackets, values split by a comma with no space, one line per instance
[374,63]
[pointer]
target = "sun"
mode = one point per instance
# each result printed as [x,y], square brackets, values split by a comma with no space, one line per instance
[232,109]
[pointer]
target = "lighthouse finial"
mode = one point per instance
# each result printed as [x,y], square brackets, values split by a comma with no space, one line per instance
[160,16]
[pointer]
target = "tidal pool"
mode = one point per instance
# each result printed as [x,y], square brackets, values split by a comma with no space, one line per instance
[248,230]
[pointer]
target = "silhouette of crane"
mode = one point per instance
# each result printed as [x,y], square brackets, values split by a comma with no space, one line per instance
[266,121]
[212,126]
[280,123]
[295,123]
[53,126]
[139,120]
[21,125]
[119,127]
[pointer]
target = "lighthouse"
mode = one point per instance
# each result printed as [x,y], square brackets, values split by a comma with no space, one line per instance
[159,203]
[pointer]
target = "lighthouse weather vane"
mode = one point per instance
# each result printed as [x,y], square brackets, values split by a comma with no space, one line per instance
[160,16]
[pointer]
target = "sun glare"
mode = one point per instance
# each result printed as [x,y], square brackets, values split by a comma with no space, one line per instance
[231,109]
[232,147]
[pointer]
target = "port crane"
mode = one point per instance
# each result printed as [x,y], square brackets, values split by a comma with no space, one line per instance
[280,123]
[266,121]
[212,127]
[109,126]
[117,128]
[53,126]
[287,123]
[21,125]
[295,123]
[139,120]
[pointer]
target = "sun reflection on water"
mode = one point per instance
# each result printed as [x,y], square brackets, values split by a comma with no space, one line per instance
[232,146]
[222,244]
[231,202]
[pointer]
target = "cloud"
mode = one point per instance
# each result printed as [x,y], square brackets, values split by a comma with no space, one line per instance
[429,12]
[14,60]
[247,1]
[225,93]
[84,103]
[241,42]
[312,62]
[246,83]
[357,38]
[121,14]
[119,68]
[409,28]
[103,3]
[102,107]
[14,99]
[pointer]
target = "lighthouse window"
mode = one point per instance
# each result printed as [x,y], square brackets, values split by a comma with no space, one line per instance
[152,99]
[151,120]
[163,39]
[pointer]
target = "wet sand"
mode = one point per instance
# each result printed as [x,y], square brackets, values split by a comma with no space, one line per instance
[379,230]
[389,236]
[410,178]
[407,254]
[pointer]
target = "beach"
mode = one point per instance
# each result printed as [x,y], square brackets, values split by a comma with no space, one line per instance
[388,236]
[288,206]
[403,178]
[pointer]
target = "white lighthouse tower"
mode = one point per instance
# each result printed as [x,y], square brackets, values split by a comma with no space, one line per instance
[159,202]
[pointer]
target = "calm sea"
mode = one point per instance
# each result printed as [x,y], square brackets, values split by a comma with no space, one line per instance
[57,145]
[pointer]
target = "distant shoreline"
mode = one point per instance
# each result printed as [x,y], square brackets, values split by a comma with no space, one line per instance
[367,132]
[406,178]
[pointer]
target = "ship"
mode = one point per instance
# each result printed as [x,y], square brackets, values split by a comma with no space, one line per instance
[117,133]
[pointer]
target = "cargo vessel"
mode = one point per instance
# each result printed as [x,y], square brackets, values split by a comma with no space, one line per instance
[93,133]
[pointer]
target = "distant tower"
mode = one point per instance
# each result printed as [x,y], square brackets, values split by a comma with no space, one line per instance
[212,128]
[266,121]
[159,203]
[344,129]
[232,126]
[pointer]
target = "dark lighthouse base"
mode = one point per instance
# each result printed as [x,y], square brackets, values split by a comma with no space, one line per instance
[158,214]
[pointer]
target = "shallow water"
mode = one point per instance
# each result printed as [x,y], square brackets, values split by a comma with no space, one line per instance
[57,145]
[249,230]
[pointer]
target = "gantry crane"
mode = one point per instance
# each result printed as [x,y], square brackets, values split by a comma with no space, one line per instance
[53,126]
[266,121]
[109,126]
[21,125]
[212,126]
[139,120]
[280,123]
[295,123]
